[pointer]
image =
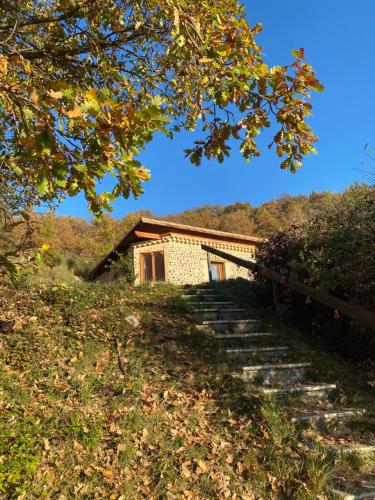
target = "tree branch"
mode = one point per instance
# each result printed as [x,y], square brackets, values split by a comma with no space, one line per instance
[42,20]
[65,51]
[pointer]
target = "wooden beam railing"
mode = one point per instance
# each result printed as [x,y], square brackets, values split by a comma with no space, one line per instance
[355,312]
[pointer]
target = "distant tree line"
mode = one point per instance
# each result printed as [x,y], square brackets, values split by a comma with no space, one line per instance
[78,243]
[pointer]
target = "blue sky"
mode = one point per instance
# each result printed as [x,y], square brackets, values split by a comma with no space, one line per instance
[339,41]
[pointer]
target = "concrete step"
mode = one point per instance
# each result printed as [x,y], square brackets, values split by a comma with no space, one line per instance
[268,374]
[304,391]
[331,416]
[354,489]
[229,325]
[194,291]
[212,314]
[249,354]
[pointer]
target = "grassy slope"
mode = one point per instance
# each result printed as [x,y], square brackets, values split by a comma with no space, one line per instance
[174,425]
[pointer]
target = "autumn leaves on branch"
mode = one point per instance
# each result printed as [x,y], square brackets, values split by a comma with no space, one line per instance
[84,86]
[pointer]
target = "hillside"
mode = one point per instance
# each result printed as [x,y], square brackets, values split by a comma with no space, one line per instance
[79,243]
[94,408]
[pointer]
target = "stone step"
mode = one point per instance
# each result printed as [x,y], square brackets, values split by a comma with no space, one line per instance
[194,291]
[248,354]
[364,450]
[335,415]
[212,314]
[204,305]
[268,374]
[242,336]
[256,349]
[304,391]
[202,296]
[355,489]
[217,309]
[229,325]
[345,440]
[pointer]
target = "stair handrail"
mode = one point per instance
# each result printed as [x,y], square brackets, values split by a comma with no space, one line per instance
[355,312]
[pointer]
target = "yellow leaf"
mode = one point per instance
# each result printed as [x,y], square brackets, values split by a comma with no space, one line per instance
[3,65]
[185,471]
[34,97]
[176,16]
[107,473]
[88,472]
[202,467]
[18,325]
[262,69]
[46,444]
[74,113]
[144,435]
[55,94]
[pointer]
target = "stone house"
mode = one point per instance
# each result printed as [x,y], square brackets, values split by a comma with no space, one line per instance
[167,251]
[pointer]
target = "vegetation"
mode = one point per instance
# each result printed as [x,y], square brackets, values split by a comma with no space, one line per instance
[93,408]
[123,268]
[84,86]
[333,251]
[77,244]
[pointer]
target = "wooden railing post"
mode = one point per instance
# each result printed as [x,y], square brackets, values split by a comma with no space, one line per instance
[276,298]
[209,267]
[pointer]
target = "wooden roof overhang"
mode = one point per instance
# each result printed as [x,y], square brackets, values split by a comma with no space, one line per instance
[154,229]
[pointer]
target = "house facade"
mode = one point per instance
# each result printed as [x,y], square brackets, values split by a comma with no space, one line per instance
[171,252]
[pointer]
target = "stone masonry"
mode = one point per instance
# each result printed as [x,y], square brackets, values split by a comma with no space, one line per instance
[186,262]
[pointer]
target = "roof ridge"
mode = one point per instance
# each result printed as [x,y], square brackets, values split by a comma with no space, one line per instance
[200,229]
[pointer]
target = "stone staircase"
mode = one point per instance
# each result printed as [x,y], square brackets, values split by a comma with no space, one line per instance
[275,370]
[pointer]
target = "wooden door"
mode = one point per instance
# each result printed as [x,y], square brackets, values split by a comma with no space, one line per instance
[217,271]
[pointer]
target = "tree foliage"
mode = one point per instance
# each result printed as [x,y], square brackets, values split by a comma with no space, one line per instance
[85,85]
[335,249]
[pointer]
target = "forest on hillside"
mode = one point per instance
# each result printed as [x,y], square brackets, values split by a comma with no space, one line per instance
[78,243]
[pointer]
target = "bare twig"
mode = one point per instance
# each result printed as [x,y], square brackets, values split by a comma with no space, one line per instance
[119,358]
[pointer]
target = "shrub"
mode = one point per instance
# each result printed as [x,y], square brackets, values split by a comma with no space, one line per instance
[335,252]
[123,268]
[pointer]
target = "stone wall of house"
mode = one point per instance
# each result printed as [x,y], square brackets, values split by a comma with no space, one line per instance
[186,262]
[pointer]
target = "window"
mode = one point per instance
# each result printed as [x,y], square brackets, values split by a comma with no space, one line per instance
[217,271]
[152,266]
